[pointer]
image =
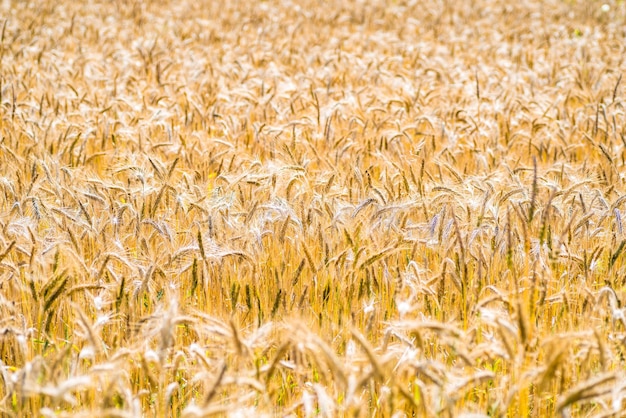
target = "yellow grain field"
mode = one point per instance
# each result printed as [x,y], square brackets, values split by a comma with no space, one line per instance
[312,208]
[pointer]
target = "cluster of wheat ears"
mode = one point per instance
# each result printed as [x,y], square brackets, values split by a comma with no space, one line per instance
[312,208]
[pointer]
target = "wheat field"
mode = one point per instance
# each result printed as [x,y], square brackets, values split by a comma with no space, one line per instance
[312,208]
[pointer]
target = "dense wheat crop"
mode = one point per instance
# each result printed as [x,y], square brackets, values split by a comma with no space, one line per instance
[310,208]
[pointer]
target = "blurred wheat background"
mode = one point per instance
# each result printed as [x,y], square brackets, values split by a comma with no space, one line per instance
[312,208]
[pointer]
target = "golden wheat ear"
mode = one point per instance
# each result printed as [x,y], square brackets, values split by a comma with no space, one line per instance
[302,209]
